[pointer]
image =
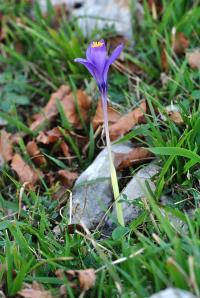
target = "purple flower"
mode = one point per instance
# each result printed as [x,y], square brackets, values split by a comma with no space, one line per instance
[98,63]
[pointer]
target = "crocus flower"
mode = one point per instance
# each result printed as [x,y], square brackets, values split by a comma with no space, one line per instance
[98,64]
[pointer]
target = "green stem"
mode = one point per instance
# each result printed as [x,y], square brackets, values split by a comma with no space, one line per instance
[113,174]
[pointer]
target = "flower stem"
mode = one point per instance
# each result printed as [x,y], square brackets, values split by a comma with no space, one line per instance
[113,174]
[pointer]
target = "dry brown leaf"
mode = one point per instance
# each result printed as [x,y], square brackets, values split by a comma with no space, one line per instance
[175,116]
[83,101]
[133,157]
[113,115]
[34,152]
[66,98]
[34,291]
[50,110]
[53,135]
[24,171]
[16,137]
[49,137]
[128,121]
[65,149]
[6,146]
[164,61]
[180,43]
[85,277]
[194,59]
[42,138]
[67,178]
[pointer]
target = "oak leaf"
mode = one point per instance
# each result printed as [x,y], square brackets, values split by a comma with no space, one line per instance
[194,59]
[176,117]
[34,290]
[180,43]
[24,171]
[70,109]
[86,278]
[128,121]
[113,115]
[67,178]
[34,152]
[6,146]
[49,137]
[133,157]
[70,103]
[50,110]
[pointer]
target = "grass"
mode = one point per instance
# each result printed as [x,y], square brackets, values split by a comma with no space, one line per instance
[152,252]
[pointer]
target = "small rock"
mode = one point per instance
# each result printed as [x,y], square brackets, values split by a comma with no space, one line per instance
[173,293]
[101,13]
[2,295]
[93,14]
[92,192]
[134,190]
[3,122]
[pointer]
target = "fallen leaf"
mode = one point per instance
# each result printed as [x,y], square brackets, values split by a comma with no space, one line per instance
[113,115]
[194,59]
[34,152]
[127,122]
[69,106]
[24,171]
[42,138]
[176,117]
[180,43]
[6,147]
[164,61]
[16,137]
[34,291]
[65,149]
[67,178]
[85,277]
[67,100]
[133,157]
[49,137]
[50,110]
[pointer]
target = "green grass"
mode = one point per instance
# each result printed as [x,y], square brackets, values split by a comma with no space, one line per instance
[152,252]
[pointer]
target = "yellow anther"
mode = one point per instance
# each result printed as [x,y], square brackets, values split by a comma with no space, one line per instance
[97,44]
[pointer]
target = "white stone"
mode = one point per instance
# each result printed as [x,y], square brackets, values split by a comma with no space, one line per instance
[93,14]
[92,192]
[134,190]
[173,293]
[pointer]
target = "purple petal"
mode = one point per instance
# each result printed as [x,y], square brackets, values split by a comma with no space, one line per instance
[111,59]
[90,67]
[97,54]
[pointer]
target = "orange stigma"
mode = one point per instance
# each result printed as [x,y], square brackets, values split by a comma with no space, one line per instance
[97,44]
